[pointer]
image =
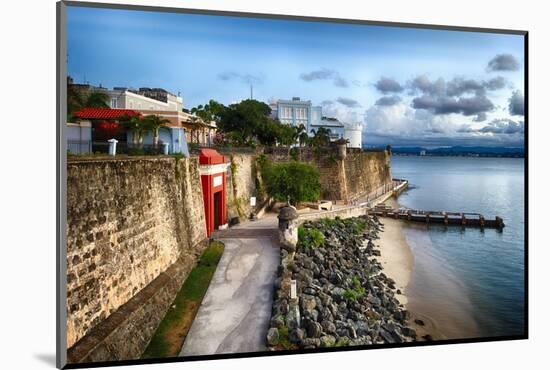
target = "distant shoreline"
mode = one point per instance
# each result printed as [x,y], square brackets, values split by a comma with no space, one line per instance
[459,155]
[453,151]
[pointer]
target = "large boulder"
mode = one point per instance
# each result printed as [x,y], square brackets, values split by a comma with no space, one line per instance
[327,341]
[308,302]
[313,328]
[273,336]
[296,335]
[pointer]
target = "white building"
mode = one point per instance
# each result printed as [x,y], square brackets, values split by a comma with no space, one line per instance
[353,133]
[336,127]
[160,102]
[142,99]
[298,112]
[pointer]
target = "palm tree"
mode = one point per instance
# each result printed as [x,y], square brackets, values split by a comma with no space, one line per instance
[137,125]
[153,123]
[301,132]
[97,99]
[321,137]
[77,99]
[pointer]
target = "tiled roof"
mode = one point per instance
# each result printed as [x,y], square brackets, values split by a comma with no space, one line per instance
[104,113]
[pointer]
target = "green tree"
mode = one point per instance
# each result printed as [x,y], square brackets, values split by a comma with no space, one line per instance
[321,137]
[97,99]
[78,99]
[303,137]
[268,132]
[288,135]
[295,181]
[210,111]
[245,120]
[153,123]
[137,125]
[75,100]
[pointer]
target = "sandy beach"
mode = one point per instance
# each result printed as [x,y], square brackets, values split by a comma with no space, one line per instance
[398,262]
[396,256]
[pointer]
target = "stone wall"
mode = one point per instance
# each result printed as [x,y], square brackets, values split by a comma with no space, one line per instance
[128,221]
[365,172]
[241,184]
[126,333]
[344,175]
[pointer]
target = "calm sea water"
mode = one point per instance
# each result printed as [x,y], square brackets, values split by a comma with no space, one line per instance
[470,282]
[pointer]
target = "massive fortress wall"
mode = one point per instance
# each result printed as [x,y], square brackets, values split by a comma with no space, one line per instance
[128,222]
[365,172]
[345,174]
[135,227]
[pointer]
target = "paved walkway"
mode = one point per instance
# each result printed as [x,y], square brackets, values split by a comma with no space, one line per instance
[235,313]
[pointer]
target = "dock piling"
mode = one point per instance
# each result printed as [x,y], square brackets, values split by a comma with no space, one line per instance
[441,217]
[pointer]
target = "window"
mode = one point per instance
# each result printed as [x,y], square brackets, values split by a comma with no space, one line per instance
[113,103]
[287,112]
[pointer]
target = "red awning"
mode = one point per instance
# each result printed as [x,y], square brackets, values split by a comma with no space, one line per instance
[105,113]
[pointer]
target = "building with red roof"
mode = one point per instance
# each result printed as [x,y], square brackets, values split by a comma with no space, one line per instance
[103,125]
[104,113]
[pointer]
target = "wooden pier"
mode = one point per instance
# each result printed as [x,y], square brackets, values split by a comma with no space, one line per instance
[463,219]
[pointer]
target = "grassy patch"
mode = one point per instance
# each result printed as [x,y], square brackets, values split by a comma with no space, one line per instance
[170,335]
[284,342]
[351,295]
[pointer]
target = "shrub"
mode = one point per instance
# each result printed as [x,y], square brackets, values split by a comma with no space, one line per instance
[352,294]
[284,342]
[294,154]
[358,226]
[310,238]
[294,181]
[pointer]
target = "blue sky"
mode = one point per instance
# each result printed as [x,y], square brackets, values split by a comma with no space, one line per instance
[406,86]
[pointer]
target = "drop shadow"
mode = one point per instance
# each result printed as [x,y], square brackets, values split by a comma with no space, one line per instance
[46,358]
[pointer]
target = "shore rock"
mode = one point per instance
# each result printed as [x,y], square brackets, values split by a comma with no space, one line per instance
[273,336]
[327,341]
[343,296]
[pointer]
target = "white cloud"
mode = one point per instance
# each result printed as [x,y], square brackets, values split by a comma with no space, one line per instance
[400,124]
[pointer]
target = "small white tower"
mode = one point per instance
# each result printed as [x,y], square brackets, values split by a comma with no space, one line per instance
[353,133]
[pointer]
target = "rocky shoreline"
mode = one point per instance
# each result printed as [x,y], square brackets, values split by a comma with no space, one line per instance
[331,290]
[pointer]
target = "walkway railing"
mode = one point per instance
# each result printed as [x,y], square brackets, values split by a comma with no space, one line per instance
[79,146]
[396,186]
[128,148]
[360,206]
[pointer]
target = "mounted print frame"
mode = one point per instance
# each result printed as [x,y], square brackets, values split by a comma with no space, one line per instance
[238,184]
